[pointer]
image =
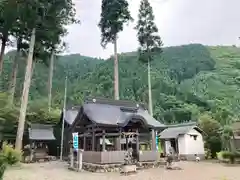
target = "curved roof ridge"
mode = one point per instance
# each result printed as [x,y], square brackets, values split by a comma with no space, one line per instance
[113,115]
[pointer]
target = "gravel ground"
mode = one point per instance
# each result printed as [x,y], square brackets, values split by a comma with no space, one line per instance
[59,171]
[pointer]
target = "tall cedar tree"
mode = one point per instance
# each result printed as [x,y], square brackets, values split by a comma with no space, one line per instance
[8,15]
[39,22]
[114,15]
[149,40]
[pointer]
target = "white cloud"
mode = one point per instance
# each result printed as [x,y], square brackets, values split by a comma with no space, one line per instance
[211,22]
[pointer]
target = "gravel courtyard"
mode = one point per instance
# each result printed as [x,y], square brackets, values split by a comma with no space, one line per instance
[59,171]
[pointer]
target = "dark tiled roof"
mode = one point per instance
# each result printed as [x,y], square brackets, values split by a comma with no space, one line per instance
[123,103]
[117,115]
[112,112]
[41,132]
[174,132]
[71,115]
[191,123]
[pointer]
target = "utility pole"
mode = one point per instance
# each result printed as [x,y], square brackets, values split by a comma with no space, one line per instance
[63,120]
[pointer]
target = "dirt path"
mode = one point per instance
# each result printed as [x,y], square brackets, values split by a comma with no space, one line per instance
[59,171]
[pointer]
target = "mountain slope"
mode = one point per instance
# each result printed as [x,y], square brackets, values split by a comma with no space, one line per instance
[74,66]
[186,81]
[220,87]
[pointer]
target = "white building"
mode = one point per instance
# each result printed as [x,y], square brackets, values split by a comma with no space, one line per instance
[184,140]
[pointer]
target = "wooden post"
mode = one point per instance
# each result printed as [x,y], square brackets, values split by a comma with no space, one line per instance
[153,140]
[137,141]
[84,143]
[103,141]
[118,141]
[79,159]
[71,158]
[93,140]
[32,148]
[126,142]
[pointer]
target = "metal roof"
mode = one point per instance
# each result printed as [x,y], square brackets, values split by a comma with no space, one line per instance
[174,132]
[116,115]
[41,132]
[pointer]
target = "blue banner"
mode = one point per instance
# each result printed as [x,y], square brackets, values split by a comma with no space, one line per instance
[75,140]
[157,140]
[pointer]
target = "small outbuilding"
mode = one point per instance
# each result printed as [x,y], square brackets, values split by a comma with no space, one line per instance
[186,140]
[41,136]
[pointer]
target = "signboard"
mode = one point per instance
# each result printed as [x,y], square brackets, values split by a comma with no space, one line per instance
[157,141]
[158,144]
[75,141]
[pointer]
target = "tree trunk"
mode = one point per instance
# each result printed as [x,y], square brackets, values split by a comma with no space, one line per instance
[50,77]
[13,81]
[116,75]
[25,93]
[149,90]
[32,69]
[4,41]
[231,141]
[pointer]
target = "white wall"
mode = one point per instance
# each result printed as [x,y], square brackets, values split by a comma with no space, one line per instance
[194,146]
[167,146]
[181,144]
[187,144]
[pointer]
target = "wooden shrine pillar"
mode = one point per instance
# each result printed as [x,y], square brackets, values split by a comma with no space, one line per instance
[153,148]
[93,140]
[137,141]
[103,140]
[71,158]
[98,144]
[84,143]
[118,142]
[126,142]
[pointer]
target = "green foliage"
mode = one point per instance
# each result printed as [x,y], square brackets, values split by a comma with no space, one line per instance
[220,155]
[37,113]
[75,66]
[231,156]
[227,135]
[8,156]
[208,154]
[186,83]
[209,125]
[150,42]
[173,101]
[114,14]
[7,17]
[213,136]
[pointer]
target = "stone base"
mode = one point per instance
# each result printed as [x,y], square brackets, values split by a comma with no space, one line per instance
[148,165]
[126,169]
[102,168]
[191,157]
[27,159]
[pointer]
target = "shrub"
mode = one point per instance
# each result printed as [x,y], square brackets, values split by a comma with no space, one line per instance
[207,153]
[226,154]
[237,154]
[220,156]
[8,156]
[230,155]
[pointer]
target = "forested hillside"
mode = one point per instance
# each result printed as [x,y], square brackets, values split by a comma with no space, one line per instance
[186,81]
